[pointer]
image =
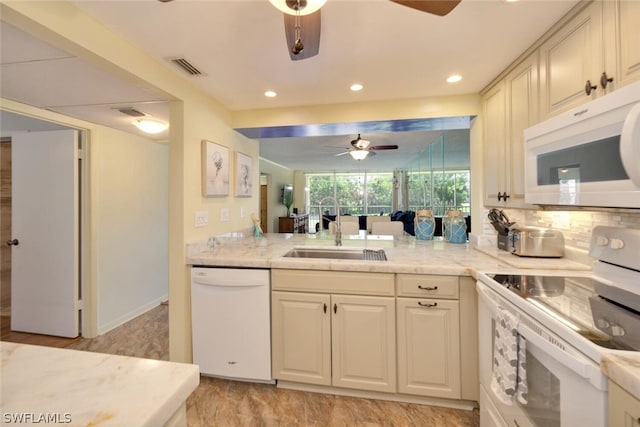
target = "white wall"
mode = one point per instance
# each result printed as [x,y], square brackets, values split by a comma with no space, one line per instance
[132,226]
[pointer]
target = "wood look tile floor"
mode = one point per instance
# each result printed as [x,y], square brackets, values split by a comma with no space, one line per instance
[218,402]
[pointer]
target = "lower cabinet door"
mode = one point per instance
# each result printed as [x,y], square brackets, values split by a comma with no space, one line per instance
[429,347]
[363,341]
[301,337]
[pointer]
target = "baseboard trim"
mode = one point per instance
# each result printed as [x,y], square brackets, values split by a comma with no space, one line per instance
[466,405]
[103,329]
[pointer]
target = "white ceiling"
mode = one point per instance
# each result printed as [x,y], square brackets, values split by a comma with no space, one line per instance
[394,51]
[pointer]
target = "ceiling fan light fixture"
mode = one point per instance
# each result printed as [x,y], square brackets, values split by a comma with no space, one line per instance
[151,126]
[293,7]
[359,154]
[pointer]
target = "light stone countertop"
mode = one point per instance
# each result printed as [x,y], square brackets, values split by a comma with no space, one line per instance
[84,388]
[623,368]
[405,255]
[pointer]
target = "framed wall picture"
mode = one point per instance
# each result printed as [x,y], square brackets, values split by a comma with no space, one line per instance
[215,169]
[244,174]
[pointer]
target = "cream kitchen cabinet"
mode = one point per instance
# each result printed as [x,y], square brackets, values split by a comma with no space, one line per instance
[598,48]
[624,409]
[570,60]
[429,347]
[334,338]
[301,337]
[363,337]
[437,338]
[622,41]
[509,108]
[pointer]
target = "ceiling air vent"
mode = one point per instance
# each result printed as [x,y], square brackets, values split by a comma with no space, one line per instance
[186,66]
[130,111]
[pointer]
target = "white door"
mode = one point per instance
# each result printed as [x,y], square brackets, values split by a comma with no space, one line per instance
[45,228]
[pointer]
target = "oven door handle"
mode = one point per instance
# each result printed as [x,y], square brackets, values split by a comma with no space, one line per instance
[582,366]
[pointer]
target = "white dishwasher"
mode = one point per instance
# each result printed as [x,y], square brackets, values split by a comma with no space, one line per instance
[231,323]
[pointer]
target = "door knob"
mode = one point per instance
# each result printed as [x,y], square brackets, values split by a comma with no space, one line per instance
[13,242]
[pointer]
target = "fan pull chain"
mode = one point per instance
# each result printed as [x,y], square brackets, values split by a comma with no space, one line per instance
[297,45]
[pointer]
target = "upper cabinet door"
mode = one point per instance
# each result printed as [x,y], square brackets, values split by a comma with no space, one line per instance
[521,113]
[494,161]
[622,42]
[570,58]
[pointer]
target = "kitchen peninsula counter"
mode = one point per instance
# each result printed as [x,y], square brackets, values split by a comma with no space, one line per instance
[45,384]
[404,255]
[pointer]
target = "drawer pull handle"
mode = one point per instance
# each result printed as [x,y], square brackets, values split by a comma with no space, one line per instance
[335,308]
[428,288]
[428,305]
[325,307]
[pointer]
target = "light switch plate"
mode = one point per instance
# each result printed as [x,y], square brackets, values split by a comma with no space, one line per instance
[224,214]
[243,214]
[202,218]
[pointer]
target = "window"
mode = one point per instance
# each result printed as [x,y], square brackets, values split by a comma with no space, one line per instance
[356,194]
[439,191]
[372,193]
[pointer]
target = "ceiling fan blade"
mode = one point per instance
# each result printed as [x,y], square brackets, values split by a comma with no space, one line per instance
[342,154]
[384,147]
[436,7]
[309,34]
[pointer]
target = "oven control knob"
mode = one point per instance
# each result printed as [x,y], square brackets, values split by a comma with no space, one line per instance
[616,244]
[602,240]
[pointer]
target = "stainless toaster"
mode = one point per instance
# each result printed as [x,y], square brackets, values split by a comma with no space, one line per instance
[535,242]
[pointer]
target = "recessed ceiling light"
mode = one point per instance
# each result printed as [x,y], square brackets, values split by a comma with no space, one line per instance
[270,94]
[356,87]
[454,78]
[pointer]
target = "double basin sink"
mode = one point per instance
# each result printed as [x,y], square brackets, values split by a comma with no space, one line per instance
[328,253]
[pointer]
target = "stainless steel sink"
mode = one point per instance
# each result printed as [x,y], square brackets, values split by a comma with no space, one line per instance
[328,253]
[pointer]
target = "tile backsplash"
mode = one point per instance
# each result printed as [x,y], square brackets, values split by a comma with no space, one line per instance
[576,226]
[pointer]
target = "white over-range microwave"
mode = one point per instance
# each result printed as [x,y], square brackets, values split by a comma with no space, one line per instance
[589,156]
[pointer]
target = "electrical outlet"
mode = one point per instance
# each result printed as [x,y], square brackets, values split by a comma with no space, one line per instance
[224,214]
[202,218]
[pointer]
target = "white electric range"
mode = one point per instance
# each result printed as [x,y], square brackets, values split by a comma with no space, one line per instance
[562,324]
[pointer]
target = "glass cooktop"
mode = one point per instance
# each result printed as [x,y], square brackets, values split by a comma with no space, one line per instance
[574,302]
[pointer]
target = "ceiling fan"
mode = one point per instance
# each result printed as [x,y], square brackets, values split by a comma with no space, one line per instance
[302,20]
[361,148]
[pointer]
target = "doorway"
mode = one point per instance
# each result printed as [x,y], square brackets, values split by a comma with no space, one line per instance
[5,229]
[264,205]
[31,247]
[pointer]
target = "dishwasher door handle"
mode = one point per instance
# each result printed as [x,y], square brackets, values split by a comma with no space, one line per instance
[212,281]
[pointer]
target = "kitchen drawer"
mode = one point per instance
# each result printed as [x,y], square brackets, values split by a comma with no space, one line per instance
[418,285]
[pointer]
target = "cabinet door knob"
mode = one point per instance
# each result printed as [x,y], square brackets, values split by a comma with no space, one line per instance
[13,242]
[426,304]
[588,87]
[428,288]
[605,80]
